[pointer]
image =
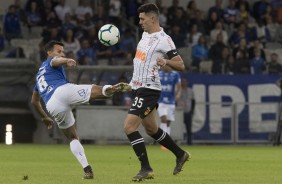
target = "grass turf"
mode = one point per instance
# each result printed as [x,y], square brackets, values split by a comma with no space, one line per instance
[117,164]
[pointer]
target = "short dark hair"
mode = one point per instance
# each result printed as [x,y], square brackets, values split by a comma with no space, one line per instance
[149,8]
[50,45]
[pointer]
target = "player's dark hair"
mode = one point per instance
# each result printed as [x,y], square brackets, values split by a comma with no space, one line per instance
[149,8]
[50,45]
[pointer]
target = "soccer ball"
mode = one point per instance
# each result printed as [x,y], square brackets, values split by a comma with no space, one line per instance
[108,35]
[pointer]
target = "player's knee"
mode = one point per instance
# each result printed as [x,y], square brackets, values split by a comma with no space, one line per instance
[96,91]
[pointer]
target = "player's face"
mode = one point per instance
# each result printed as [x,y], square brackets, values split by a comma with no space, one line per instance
[146,21]
[58,50]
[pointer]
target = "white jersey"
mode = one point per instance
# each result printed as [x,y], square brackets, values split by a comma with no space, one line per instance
[149,48]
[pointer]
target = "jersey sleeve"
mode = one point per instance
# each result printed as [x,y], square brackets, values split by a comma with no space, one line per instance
[167,44]
[169,48]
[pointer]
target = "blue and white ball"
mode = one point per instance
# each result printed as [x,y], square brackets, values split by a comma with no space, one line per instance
[109,35]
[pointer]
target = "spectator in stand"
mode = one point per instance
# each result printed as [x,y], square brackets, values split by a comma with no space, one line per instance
[212,20]
[272,27]
[91,36]
[216,8]
[12,27]
[230,14]
[180,19]
[243,15]
[192,9]
[131,7]
[215,54]
[257,63]
[70,42]
[194,35]
[86,55]
[178,36]
[171,11]
[201,23]
[242,48]
[61,9]
[49,6]
[82,9]
[52,20]
[34,16]
[245,3]
[242,64]
[269,12]
[100,16]
[68,24]
[278,11]
[20,11]
[39,3]
[115,12]
[273,66]
[230,65]
[241,33]
[259,8]
[279,34]
[87,23]
[261,32]
[256,44]
[218,29]
[200,52]
[218,64]
[51,34]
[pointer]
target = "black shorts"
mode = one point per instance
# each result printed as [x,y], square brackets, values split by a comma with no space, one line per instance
[144,100]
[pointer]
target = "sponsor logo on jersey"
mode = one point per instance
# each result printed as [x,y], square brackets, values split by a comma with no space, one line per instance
[140,55]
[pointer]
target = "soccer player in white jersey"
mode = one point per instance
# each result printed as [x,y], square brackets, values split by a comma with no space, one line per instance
[154,46]
[171,92]
[59,96]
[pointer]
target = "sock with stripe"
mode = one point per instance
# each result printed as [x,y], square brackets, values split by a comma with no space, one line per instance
[164,139]
[137,142]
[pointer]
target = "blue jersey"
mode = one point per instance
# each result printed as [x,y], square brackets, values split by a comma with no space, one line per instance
[48,79]
[168,81]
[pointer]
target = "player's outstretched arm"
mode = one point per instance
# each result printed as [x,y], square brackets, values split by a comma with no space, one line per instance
[35,101]
[59,61]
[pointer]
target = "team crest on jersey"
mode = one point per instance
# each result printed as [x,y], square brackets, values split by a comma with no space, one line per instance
[147,111]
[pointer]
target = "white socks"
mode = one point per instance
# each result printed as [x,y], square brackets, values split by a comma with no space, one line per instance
[78,151]
[104,90]
[165,128]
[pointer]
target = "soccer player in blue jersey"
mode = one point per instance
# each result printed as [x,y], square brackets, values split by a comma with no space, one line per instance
[59,95]
[171,92]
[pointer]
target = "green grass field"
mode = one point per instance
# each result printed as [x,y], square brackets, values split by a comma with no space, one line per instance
[117,164]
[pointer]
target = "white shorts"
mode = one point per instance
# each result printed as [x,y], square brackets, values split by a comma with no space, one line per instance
[167,110]
[60,104]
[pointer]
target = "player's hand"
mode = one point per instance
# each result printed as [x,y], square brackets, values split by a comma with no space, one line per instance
[48,122]
[161,62]
[71,63]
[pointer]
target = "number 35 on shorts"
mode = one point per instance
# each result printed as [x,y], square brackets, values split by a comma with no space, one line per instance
[138,102]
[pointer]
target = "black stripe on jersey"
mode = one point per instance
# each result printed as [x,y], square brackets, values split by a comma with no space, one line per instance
[172,53]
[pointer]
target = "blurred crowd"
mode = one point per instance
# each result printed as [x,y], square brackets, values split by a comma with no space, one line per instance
[238,37]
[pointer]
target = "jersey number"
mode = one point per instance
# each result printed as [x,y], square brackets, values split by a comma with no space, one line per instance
[138,102]
[42,84]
